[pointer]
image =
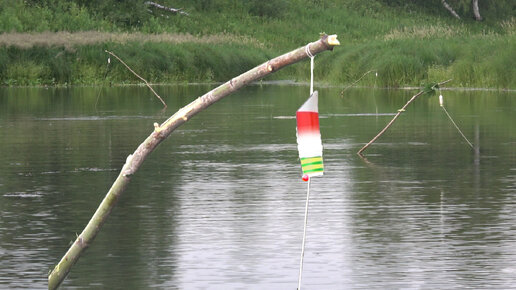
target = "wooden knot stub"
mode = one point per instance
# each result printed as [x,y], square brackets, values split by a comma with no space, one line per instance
[157,128]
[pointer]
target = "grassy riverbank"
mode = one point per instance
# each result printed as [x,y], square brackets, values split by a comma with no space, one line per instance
[174,58]
[406,44]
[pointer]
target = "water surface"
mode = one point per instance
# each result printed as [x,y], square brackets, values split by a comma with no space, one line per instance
[220,204]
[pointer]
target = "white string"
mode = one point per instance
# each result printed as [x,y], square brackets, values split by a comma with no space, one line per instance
[307,50]
[304,235]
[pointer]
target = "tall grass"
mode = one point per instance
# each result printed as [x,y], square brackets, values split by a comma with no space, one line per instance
[407,44]
[487,62]
[156,62]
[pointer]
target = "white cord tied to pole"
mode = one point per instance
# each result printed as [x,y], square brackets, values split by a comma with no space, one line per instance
[311,56]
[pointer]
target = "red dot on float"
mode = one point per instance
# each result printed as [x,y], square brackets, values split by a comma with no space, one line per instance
[305,177]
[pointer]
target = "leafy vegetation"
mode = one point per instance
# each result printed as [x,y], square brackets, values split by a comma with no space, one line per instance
[406,42]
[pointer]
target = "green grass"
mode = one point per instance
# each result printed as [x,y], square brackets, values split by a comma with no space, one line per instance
[415,61]
[156,62]
[407,44]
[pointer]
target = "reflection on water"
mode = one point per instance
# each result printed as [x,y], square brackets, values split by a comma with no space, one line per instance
[220,205]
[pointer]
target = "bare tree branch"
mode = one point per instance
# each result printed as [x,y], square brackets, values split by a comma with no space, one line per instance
[169,9]
[449,8]
[476,11]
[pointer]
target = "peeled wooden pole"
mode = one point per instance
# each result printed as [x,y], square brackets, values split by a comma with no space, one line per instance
[397,115]
[160,133]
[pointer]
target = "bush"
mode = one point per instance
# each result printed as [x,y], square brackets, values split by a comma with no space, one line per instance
[270,8]
[26,73]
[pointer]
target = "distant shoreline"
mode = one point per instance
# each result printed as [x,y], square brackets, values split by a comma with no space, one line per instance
[267,83]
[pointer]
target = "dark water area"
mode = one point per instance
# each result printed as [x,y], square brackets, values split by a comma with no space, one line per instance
[220,204]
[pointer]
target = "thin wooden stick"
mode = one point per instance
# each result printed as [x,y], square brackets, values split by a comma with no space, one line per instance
[146,83]
[103,80]
[454,124]
[304,235]
[400,111]
[353,83]
[160,133]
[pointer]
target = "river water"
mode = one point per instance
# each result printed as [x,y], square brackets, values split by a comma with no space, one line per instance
[220,204]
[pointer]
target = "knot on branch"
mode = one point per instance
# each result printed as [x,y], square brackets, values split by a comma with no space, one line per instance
[80,242]
[157,128]
[270,68]
[127,170]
